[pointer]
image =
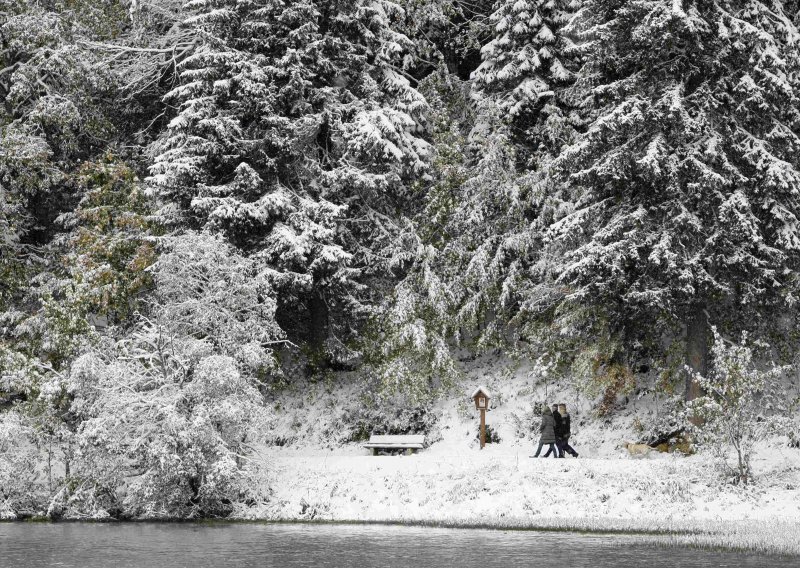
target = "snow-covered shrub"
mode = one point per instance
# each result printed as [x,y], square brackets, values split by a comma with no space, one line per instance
[465,408]
[171,417]
[388,415]
[492,437]
[18,474]
[166,415]
[207,289]
[740,405]
[667,423]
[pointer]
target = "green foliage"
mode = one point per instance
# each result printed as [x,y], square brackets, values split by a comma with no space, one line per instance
[406,349]
[111,243]
[103,257]
[492,437]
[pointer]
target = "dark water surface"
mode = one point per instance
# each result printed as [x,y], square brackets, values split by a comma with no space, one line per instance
[147,545]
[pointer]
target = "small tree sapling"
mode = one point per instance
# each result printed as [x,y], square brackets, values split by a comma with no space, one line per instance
[740,404]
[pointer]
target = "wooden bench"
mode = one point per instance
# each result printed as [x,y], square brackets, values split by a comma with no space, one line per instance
[411,443]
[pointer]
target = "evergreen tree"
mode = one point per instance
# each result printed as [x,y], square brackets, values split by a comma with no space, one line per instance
[447,34]
[526,67]
[489,231]
[293,116]
[10,265]
[683,190]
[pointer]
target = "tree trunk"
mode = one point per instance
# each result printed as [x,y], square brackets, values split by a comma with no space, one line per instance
[696,350]
[318,321]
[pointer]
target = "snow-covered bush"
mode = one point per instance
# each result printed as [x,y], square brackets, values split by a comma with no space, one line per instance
[740,405]
[206,289]
[667,423]
[18,474]
[167,414]
[167,426]
[492,437]
[388,415]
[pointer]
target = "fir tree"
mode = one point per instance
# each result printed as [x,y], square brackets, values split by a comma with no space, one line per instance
[293,116]
[683,190]
[526,67]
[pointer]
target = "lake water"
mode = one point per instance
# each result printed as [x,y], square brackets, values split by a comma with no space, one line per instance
[151,545]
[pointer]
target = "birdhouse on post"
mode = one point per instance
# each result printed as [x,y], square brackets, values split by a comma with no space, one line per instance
[481,398]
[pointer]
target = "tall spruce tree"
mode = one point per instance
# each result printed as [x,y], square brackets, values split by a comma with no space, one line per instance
[521,114]
[526,67]
[297,135]
[684,189]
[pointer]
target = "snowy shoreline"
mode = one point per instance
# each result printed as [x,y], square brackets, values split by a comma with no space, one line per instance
[312,474]
[677,499]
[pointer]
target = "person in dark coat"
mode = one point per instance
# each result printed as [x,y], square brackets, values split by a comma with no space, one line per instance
[558,430]
[547,433]
[565,432]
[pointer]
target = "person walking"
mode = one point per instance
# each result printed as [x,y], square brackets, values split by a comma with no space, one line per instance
[547,433]
[565,432]
[557,421]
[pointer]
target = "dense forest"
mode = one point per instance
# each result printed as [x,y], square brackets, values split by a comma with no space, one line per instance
[202,202]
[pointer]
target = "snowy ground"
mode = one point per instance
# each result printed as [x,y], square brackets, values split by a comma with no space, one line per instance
[498,487]
[453,482]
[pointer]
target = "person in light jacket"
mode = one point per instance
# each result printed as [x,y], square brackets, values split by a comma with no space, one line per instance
[547,433]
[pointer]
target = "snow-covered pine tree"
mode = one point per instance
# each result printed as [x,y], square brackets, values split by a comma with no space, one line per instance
[491,239]
[519,117]
[11,221]
[289,115]
[684,189]
[475,248]
[526,67]
[447,34]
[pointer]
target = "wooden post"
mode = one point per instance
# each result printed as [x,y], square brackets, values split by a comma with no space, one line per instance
[481,398]
[483,427]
